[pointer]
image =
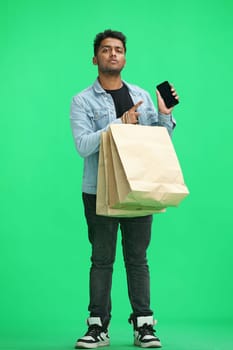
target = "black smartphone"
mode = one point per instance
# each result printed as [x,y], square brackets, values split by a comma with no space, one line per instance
[165,91]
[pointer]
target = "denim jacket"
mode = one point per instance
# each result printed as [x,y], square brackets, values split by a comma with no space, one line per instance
[92,111]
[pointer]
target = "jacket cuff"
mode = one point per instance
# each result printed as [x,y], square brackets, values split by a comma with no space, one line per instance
[167,118]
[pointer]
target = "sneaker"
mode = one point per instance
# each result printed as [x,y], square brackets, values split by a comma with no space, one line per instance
[144,334]
[95,337]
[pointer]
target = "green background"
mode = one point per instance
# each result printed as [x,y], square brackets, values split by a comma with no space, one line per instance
[46,53]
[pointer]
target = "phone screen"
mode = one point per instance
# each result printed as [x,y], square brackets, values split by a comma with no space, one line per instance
[165,91]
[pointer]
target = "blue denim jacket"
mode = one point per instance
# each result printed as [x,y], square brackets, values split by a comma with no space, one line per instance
[92,111]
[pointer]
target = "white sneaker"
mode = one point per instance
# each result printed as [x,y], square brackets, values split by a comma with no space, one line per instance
[144,334]
[96,336]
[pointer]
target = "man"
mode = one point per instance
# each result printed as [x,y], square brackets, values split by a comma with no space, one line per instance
[112,100]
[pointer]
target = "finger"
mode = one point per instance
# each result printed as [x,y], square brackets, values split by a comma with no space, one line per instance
[135,121]
[174,93]
[136,106]
[158,94]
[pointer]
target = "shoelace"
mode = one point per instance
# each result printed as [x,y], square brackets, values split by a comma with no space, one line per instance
[94,330]
[146,329]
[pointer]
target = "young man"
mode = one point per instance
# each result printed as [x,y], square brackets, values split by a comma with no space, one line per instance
[112,100]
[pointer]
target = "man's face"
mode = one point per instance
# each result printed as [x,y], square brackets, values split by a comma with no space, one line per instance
[110,57]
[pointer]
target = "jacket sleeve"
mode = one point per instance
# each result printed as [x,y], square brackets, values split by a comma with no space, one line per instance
[86,140]
[167,121]
[164,120]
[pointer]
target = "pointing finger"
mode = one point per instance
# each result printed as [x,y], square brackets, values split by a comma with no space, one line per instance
[136,106]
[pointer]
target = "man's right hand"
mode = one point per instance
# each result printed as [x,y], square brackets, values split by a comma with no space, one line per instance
[131,116]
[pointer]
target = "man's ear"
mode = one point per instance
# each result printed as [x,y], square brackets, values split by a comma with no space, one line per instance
[94,60]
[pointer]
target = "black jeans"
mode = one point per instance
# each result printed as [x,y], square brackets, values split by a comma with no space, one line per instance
[102,233]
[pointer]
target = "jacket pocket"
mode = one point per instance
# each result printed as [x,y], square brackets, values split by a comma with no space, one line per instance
[99,119]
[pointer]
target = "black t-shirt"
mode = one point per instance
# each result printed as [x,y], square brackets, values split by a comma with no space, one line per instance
[122,100]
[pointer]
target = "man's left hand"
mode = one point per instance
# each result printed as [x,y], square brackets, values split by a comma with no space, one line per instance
[161,104]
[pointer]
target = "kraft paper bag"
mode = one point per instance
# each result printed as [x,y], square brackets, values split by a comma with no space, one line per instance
[106,186]
[147,171]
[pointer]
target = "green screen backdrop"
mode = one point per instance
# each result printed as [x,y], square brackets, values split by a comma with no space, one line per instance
[46,58]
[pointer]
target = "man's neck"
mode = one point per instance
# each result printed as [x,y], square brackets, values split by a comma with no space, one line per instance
[109,82]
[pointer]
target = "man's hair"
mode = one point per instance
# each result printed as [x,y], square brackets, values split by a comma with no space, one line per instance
[108,33]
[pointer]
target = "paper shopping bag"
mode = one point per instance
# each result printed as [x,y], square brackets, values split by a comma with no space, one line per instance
[146,167]
[106,186]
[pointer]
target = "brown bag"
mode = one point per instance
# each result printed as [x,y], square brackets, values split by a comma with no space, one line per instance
[146,169]
[106,185]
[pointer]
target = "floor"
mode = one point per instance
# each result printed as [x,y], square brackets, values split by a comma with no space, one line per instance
[174,337]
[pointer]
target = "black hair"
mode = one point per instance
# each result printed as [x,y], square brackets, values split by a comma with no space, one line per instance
[108,33]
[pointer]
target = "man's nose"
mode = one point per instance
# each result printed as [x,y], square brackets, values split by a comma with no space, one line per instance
[113,52]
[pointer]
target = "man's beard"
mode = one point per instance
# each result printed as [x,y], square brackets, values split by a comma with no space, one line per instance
[110,71]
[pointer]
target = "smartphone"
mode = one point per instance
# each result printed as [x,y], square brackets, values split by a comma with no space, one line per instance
[165,91]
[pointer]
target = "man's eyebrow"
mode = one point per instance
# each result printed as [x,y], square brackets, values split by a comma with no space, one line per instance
[109,46]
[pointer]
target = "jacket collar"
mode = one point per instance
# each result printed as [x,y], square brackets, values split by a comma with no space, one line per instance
[98,88]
